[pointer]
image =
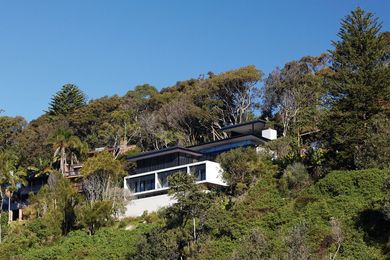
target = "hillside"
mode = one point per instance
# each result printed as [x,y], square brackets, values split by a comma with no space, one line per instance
[262,224]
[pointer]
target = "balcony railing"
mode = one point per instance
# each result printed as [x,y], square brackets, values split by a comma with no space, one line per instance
[156,181]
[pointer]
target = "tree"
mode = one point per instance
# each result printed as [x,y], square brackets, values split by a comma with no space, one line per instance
[95,215]
[242,167]
[67,100]
[64,143]
[358,87]
[294,93]
[296,243]
[29,144]
[227,98]
[101,173]
[10,127]
[55,204]
[103,199]
[337,235]
[11,176]
[192,203]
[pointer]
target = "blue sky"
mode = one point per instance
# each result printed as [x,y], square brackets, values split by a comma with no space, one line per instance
[108,47]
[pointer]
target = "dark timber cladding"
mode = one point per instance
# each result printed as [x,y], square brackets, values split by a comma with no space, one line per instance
[165,158]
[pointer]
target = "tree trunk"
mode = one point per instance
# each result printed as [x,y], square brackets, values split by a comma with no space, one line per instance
[9,208]
[63,160]
[194,230]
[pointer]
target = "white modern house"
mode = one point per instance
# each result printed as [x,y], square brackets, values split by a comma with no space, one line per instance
[149,182]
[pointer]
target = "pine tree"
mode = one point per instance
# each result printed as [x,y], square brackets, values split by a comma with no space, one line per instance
[68,99]
[358,87]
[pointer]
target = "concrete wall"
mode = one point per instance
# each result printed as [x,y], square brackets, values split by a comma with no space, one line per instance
[214,173]
[137,207]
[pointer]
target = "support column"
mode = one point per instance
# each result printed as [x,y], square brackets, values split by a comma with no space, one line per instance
[20,214]
[10,216]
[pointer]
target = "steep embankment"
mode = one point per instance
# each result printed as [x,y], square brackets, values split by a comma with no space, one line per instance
[341,210]
[340,213]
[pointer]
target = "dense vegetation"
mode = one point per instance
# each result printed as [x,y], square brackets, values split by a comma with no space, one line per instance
[321,190]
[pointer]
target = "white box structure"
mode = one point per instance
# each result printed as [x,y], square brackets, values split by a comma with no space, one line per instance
[270,134]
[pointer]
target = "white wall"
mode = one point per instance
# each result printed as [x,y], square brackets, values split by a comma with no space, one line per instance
[270,134]
[137,207]
[214,173]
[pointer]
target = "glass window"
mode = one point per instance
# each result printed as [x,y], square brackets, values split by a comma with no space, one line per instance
[163,176]
[199,171]
[227,147]
[142,183]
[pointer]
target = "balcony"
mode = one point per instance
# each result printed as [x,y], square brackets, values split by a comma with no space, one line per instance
[155,182]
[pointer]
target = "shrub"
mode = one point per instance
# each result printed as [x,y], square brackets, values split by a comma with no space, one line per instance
[242,167]
[95,215]
[294,177]
[255,246]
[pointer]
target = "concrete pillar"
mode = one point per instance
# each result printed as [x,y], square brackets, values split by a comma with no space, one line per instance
[10,216]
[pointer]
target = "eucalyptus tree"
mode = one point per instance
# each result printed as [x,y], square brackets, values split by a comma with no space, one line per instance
[294,94]
[227,98]
[10,128]
[103,197]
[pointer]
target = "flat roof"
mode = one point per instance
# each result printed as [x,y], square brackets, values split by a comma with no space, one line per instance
[228,140]
[169,150]
[245,127]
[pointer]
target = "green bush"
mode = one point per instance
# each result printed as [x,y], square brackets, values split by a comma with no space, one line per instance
[107,243]
[242,167]
[295,177]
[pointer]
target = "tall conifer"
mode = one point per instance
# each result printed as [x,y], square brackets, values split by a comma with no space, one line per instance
[358,87]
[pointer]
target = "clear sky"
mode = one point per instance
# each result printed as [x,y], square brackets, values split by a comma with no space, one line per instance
[108,47]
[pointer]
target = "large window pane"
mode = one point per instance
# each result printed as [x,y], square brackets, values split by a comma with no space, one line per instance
[163,176]
[142,183]
[199,171]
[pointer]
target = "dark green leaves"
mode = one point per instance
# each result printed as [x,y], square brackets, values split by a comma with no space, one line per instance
[67,100]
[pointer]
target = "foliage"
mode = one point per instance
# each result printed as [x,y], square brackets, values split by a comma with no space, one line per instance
[296,245]
[375,151]
[158,244]
[103,163]
[255,246]
[54,204]
[67,100]
[242,167]
[66,145]
[102,175]
[295,177]
[95,215]
[107,243]
[333,112]
[294,93]
[358,89]
[10,128]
